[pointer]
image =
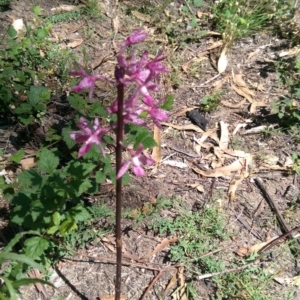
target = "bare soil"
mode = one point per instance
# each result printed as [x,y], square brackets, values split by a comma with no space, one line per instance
[90,273]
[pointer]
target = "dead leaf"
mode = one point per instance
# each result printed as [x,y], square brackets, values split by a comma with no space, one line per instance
[184,111]
[251,54]
[182,287]
[35,273]
[199,14]
[172,283]
[75,43]
[218,84]
[184,127]
[214,45]
[238,79]
[222,62]
[112,297]
[209,133]
[256,104]
[116,24]
[156,153]
[98,62]
[224,138]
[289,52]
[163,244]
[256,248]
[110,243]
[65,7]
[198,186]
[27,163]
[128,254]
[296,280]
[242,92]
[235,182]
[141,16]
[222,171]
[238,127]
[230,105]
[241,87]
[242,251]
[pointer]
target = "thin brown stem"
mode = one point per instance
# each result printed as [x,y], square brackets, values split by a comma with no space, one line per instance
[119,187]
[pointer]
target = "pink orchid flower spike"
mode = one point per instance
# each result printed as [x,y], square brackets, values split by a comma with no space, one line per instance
[138,158]
[87,82]
[89,136]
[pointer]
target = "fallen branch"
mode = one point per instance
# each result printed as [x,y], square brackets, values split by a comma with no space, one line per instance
[262,251]
[272,204]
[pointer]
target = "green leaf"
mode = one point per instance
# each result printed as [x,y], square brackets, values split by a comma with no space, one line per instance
[56,217]
[17,157]
[126,179]
[67,226]
[26,120]
[12,32]
[31,178]
[52,229]
[197,3]
[41,33]
[37,94]
[48,161]
[83,187]
[35,246]
[194,22]
[298,64]
[10,288]
[22,258]
[77,102]
[97,110]
[79,213]
[66,137]
[37,10]
[168,104]
[100,177]
[24,108]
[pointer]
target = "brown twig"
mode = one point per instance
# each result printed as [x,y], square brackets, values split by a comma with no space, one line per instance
[160,273]
[272,204]
[262,251]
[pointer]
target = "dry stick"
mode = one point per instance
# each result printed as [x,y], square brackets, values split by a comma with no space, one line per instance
[119,73]
[272,204]
[154,280]
[262,251]
[285,228]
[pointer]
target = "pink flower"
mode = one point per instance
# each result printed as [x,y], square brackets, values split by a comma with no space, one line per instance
[136,37]
[89,136]
[131,111]
[87,82]
[137,159]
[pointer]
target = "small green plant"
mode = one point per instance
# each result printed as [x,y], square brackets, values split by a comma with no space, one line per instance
[27,64]
[4,4]
[12,268]
[237,19]
[287,108]
[296,163]
[195,231]
[211,103]
[43,202]
[185,30]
